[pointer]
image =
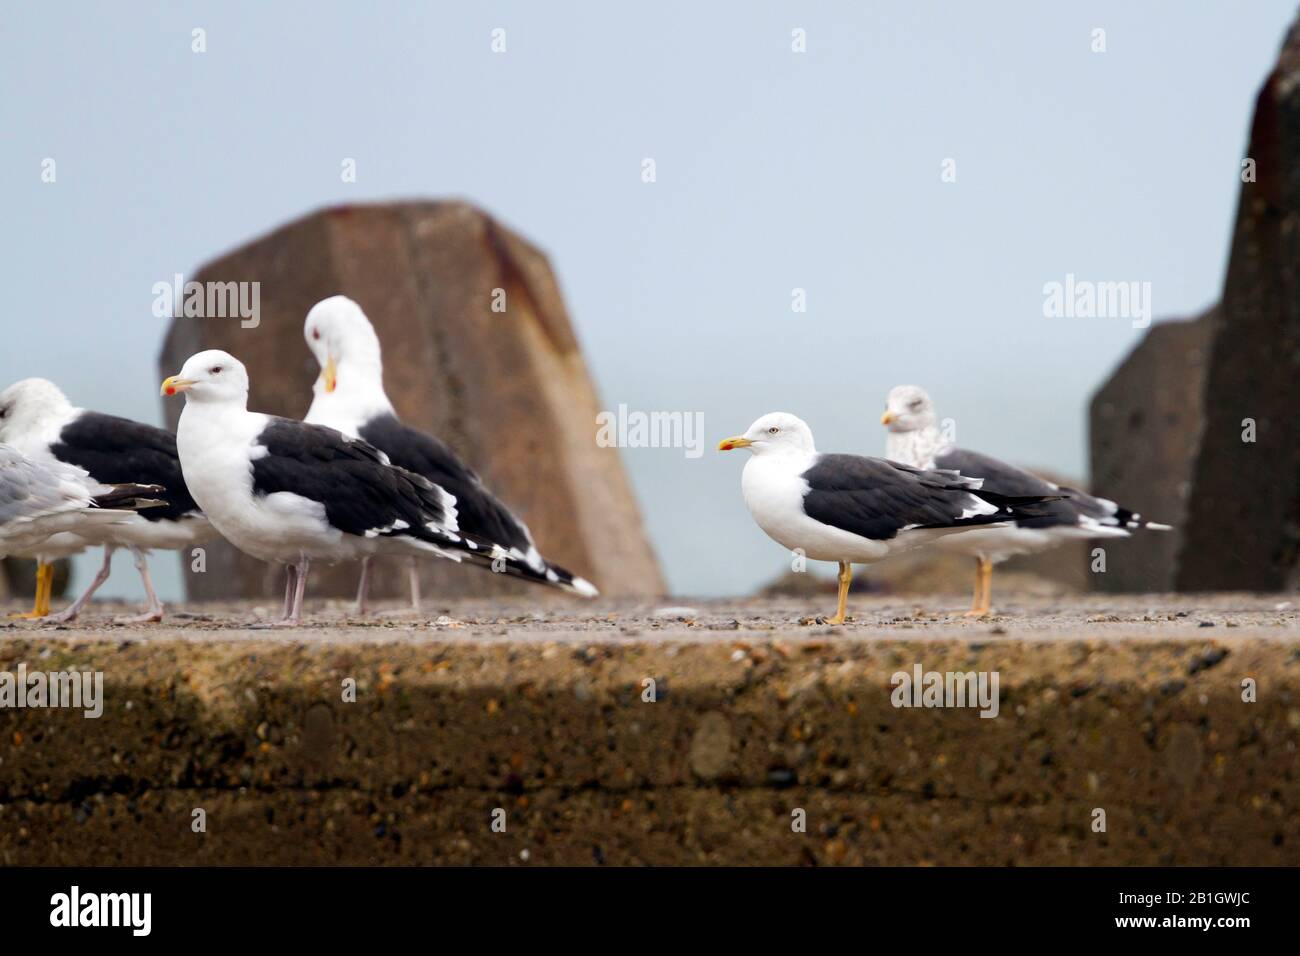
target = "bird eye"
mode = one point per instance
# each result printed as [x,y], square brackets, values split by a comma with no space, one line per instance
[215,370]
[315,334]
[915,405]
[773,430]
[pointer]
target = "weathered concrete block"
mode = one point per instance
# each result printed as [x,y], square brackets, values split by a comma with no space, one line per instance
[1144,425]
[550,723]
[1243,521]
[509,391]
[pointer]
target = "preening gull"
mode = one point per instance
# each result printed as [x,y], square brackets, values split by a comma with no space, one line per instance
[847,508]
[349,397]
[47,508]
[291,493]
[915,439]
[37,419]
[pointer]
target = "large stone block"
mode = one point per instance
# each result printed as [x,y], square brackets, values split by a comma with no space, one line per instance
[1200,425]
[1144,424]
[1141,718]
[1243,521]
[508,390]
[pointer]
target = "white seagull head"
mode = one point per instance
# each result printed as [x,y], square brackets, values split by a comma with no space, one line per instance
[908,409]
[774,433]
[345,345]
[211,376]
[31,405]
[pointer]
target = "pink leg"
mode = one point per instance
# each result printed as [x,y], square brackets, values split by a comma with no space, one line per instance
[296,616]
[363,589]
[290,588]
[155,611]
[294,582]
[71,612]
[415,584]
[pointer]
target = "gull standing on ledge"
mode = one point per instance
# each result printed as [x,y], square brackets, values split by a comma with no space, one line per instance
[38,420]
[49,506]
[291,493]
[848,509]
[915,439]
[350,397]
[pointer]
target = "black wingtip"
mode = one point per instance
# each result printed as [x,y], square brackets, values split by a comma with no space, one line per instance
[132,497]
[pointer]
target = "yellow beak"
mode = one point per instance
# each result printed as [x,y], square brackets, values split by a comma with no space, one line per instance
[331,375]
[737,441]
[175,385]
[886,418]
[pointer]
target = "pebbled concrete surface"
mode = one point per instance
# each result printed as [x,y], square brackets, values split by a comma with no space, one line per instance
[1131,705]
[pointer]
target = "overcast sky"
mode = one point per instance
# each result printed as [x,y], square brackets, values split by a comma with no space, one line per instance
[775,170]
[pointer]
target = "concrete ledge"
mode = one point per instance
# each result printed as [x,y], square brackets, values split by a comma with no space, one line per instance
[1144,720]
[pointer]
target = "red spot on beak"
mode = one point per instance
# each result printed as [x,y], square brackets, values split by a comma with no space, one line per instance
[170,390]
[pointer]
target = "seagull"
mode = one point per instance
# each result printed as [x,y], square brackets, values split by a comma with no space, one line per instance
[39,421]
[848,508]
[349,396]
[915,439]
[48,509]
[288,492]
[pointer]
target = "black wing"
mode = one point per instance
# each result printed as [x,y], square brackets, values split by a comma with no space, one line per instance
[365,495]
[118,451]
[477,511]
[1007,479]
[876,498]
[998,475]
[362,493]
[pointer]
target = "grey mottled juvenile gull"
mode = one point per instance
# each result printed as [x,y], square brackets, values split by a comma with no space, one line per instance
[915,439]
[49,510]
[38,420]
